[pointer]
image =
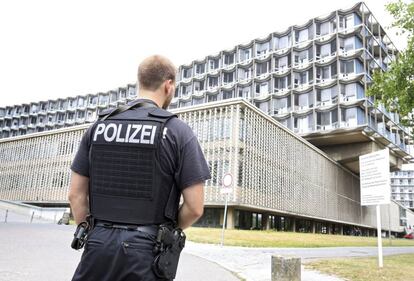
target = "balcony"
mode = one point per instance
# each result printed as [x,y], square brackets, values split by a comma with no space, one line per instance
[302,130]
[327,127]
[281,70]
[281,111]
[80,120]
[302,64]
[301,107]
[350,123]
[327,102]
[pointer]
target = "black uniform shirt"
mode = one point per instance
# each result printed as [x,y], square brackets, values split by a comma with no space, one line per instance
[181,156]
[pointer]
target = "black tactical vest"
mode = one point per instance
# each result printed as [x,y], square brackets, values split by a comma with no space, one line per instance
[124,164]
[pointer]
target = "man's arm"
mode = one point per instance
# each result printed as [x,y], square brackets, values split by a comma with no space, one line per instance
[78,196]
[192,208]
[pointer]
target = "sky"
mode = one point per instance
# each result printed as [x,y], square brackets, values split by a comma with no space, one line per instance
[56,49]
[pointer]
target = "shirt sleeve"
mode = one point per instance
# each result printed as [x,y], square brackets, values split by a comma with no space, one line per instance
[192,166]
[80,163]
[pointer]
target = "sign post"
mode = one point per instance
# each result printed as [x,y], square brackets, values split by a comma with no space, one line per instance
[375,186]
[225,189]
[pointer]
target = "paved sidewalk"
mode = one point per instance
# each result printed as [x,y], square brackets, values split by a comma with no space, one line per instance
[254,264]
[41,251]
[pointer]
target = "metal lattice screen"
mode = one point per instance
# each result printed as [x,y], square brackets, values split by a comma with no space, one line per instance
[273,170]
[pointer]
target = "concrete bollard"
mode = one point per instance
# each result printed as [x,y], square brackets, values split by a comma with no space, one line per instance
[286,268]
[65,218]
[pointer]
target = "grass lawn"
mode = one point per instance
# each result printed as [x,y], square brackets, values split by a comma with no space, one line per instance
[257,238]
[396,268]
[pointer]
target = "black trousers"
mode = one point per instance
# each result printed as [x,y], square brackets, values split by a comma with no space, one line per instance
[113,254]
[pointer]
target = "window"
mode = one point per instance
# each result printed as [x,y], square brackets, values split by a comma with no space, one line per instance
[186,90]
[349,117]
[283,62]
[324,28]
[303,56]
[198,101]
[262,88]
[346,21]
[244,74]
[199,85]
[325,120]
[200,68]
[284,42]
[262,49]
[211,98]
[325,50]
[303,101]
[303,124]
[245,54]
[302,35]
[81,114]
[281,105]
[114,97]
[227,95]
[244,92]
[282,83]
[228,77]
[263,106]
[186,73]
[228,59]
[212,81]
[213,64]
[262,68]
[347,67]
[103,99]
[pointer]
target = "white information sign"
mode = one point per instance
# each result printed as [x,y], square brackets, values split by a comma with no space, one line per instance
[374,171]
[227,182]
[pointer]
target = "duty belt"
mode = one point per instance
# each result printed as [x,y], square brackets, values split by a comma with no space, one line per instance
[150,229]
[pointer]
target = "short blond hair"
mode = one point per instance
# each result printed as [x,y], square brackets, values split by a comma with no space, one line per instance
[154,70]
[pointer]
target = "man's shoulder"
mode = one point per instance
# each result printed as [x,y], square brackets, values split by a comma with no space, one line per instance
[179,129]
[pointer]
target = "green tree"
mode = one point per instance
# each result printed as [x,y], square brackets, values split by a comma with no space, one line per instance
[395,87]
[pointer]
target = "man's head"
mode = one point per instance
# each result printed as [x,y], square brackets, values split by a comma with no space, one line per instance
[156,79]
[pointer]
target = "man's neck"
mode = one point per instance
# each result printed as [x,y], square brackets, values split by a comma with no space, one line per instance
[150,96]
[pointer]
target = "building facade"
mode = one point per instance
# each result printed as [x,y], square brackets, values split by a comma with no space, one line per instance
[311,78]
[402,187]
[281,181]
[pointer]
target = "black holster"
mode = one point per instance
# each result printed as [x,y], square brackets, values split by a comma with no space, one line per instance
[81,234]
[170,243]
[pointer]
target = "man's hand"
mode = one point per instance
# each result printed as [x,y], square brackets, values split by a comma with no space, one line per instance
[193,206]
[78,197]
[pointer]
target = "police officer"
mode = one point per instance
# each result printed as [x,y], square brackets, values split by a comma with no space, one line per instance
[131,168]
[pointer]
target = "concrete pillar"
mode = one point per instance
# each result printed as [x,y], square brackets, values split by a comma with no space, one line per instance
[341,229]
[293,224]
[329,228]
[230,218]
[313,227]
[286,268]
[265,221]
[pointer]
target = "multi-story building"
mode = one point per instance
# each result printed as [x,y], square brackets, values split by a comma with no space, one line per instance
[274,186]
[402,186]
[312,78]
[55,114]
